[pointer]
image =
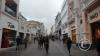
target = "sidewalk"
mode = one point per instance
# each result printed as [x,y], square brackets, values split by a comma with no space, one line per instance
[12,51]
[5,49]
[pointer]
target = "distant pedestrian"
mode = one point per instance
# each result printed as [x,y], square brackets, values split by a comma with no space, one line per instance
[42,42]
[34,39]
[46,44]
[26,41]
[98,41]
[39,42]
[69,44]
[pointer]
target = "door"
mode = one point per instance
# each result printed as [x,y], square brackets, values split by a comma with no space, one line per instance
[94,27]
[73,32]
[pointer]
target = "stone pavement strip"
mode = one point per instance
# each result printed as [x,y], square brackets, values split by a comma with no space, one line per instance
[56,49]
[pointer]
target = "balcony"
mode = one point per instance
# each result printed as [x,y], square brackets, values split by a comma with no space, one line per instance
[86,3]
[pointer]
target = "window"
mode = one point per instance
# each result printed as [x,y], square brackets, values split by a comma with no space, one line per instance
[22,27]
[81,21]
[11,7]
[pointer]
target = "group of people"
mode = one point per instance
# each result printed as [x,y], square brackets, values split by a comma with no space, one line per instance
[20,42]
[43,42]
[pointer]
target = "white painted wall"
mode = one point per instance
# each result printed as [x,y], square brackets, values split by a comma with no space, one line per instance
[21,21]
[5,19]
[3,24]
[64,17]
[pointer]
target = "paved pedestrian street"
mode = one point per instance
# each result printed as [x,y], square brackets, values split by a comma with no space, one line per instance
[56,49]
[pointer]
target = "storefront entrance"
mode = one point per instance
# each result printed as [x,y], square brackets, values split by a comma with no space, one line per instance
[94,27]
[73,32]
[8,38]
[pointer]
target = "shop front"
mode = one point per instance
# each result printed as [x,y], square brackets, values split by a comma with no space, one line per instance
[94,20]
[72,31]
[92,15]
[8,38]
[9,27]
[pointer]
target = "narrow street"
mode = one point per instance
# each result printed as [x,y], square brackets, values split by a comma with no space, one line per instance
[56,49]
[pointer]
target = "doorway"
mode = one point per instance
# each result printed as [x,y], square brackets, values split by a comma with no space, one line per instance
[94,27]
[73,32]
[8,38]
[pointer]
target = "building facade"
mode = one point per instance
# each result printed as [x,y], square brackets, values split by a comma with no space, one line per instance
[21,26]
[64,20]
[52,30]
[91,18]
[35,28]
[83,19]
[75,21]
[58,25]
[8,22]
[71,20]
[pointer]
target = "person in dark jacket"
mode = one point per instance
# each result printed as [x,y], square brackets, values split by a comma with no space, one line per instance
[69,44]
[46,44]
[18,42]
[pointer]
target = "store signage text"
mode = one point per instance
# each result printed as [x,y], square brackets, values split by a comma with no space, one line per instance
[94,15]
[10,25]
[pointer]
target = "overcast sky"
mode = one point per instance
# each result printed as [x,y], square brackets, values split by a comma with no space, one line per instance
[41,10]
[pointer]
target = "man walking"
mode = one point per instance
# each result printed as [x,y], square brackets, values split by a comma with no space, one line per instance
[46,44]
[18,42]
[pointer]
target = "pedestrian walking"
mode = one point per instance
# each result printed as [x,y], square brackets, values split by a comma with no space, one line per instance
[98,41]
[34,39]
[42,42]
[39,42]
[46,44]
[18,42]
[69,44]
[26,41]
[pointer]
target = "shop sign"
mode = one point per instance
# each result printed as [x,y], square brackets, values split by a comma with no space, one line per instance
[10,25]
[94,15]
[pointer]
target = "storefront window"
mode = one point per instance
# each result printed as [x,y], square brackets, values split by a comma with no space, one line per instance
[8,38]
